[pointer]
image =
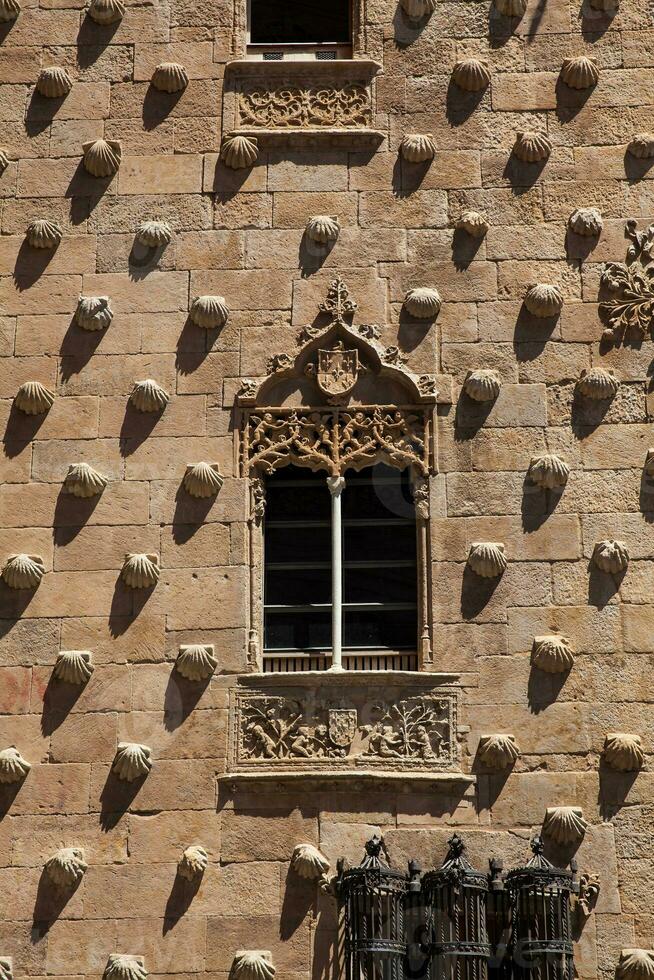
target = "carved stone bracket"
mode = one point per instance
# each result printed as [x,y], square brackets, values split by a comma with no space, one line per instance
[399,725]
[631,308]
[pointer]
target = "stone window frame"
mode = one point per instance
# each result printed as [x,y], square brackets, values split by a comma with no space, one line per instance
[358,20]
[271,433]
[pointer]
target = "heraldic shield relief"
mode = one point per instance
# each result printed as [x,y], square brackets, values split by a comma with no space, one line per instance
[338,370]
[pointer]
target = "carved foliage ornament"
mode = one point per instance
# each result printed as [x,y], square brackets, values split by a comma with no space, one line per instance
[305,106]
[631,308]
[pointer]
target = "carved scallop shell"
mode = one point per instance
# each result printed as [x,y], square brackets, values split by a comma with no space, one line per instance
[511,8]
[44,234]
[149,396]
[106,11]
[636,964]
[417,9]
[548,471]
[170,77]
[252,964]
[193,863]
[102,157]
[4,161]
[498,751]
[610,6]
[418,147]
[154,233]
[13,768]
[471,75]
[83,481]
[202,479]
[611,556]
[308,862]
[54,82]
[586,221]
[564,824]
[532,147]
[473,223]
[641,146]
[580,73]
[23,571]
[238,152]
[543,300]
[487,558]
[132,761]
[93,312]
[649,464]
[140,571]
[423,303]
[120,966]
[66,868]
[623,752]
[552,653]
[323,228]
[6,962]
[74,666]
[9,10]
[482,385]
[33,398]
[196,662]
[598,384]
[209,312]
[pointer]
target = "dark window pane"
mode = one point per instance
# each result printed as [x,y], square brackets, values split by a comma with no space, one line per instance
[379,543]
[380,629]
[297,501]
[297,631]
[294,545]
[299,21]
[379,584]
[297,586]
[375,496]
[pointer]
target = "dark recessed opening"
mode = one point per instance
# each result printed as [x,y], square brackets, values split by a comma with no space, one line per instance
[299,22]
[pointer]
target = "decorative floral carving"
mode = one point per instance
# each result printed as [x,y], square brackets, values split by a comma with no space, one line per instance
[511,8]
[9,10]
[564,824]
[586,222]
[106,11]
[239,152]
[281,362]
[418,147]
[589,889]
[641,146]
[33,398]
[193,863]
[170,77]
[23,571]
[132,761]
[308,862]
[580,73]
[93,312]
[336,439]
[209,312]
[252,964]
[73,667]
[632,308]
[305,105]
[473,223]
[532,147]
[323,228]
[423,302]
[420,493]
[123,967]
[247,390]
[548,471]
[482,385]
[140,571]
[598,384]
[83,481]
[102,157]
[149,396]
[623,752]
[611,556]
[487,559]
[196,662]
[66,868]
[44,234]
[154,233]
[498,751]
[54,82]
[13,768]
[471,75]
[365,728]
[636,964]
[543,300]
[202,479]
[552,653]
[417,9]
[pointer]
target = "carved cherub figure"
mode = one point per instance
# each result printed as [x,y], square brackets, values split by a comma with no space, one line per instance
[384,742]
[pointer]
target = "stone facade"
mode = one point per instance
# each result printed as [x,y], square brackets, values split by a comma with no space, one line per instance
[487,183]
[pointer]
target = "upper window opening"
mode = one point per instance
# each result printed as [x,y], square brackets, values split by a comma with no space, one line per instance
[301,23]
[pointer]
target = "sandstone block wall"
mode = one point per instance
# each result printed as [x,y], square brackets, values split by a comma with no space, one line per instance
[239,234]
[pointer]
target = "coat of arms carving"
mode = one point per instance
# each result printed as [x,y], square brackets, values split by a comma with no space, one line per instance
[338,370]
